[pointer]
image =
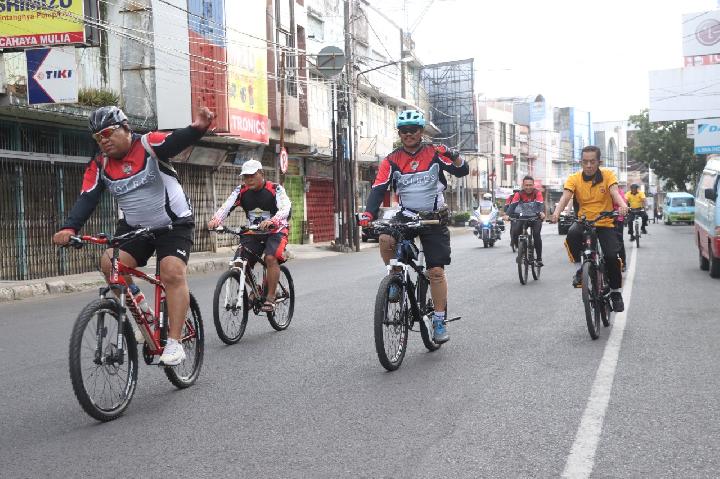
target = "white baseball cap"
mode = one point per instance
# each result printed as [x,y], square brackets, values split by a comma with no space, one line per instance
[250,167]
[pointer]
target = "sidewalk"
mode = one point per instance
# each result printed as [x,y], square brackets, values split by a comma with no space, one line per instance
[201,262]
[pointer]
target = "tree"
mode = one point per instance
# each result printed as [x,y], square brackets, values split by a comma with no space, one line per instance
[665,147]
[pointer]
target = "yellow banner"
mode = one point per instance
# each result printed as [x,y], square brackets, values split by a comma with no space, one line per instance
[34,23]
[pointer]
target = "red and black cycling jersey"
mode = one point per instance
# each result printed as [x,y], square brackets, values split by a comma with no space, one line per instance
[144,184]
[418,179]
[270,202]
[526,204]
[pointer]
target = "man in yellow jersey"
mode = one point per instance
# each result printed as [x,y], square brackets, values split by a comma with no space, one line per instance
[636,200]
[595,190]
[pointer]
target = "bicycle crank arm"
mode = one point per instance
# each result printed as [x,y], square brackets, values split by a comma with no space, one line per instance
[449,320]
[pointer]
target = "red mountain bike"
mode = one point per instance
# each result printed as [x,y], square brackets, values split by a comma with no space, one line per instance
[103,348]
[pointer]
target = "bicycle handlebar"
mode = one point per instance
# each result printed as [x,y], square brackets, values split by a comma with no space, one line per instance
[605,214]
[77,242]
[243,230]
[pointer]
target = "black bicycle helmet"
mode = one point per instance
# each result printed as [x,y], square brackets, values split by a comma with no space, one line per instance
[106,116]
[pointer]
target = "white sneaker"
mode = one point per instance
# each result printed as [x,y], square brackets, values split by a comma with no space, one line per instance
[173,354]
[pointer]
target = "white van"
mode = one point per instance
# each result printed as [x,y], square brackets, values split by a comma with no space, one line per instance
[707,218]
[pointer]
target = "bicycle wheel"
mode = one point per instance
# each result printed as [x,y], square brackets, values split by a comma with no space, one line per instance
[589,292]
[284,302]
[103,382]
[534,269]
[230,311]
[391,328]
[426,307]
[605,300]
[522,261]
[193,340]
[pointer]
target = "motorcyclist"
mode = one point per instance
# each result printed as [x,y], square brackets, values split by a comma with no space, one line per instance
[416,172]
[487,209]
[528,202]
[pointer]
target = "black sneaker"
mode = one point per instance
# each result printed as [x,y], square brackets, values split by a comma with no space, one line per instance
[539,263]
[617,302]
[577,280]
[643,231]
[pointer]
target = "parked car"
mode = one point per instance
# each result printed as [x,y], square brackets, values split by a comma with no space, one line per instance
[707,219]
[679,207]
[565,221]
[385,213]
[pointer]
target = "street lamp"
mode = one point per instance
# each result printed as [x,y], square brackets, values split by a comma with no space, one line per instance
[354,167]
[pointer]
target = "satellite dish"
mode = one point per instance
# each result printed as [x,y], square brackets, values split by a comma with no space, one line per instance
[330,61]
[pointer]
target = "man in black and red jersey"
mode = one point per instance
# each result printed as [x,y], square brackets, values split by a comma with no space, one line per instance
[416,171]
[135,169]
[528,202]
[268,206]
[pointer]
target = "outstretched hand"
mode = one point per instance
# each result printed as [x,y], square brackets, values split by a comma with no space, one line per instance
[203,118]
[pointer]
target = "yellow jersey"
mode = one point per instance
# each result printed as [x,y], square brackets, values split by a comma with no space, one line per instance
[635,201]
[593,197]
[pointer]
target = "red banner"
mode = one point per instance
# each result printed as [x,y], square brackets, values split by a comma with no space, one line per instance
[249,126]
[700,60]
[41,39]
[508,159]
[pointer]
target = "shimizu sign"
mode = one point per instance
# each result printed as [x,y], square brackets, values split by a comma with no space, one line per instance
[707,136]
[34,23]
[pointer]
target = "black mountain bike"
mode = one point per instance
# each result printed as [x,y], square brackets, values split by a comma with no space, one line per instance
[636,222]
[402,301]
[526,249]
[595,286]
[240,291]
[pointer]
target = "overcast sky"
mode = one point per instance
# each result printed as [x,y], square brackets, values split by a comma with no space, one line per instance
[594,55]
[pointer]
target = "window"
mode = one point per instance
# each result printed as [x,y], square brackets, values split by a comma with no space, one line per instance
[512,135]
[285,37]
[706,181]
[683,202]
[503,133]
[316,28]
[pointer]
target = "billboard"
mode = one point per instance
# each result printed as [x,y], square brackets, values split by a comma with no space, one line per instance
[247,84]
[685,93]
[52,75]
[701,33]
[41,23]
[707,136]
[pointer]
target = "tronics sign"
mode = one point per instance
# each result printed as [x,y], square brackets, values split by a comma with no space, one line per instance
[707,136]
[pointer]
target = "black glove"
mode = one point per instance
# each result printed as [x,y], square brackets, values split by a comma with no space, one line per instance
[451,153]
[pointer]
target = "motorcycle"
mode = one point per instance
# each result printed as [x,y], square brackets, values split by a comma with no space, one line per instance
[486,226]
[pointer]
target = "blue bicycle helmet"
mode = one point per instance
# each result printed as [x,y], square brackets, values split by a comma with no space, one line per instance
[411,118]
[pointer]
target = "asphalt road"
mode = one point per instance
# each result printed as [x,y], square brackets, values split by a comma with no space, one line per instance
[506,397]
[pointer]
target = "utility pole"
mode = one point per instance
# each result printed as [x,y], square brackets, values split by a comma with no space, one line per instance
[351,142]
[282,114]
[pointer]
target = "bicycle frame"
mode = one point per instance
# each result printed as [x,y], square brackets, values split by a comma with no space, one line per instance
[408,265]
[240,264]
[155,338]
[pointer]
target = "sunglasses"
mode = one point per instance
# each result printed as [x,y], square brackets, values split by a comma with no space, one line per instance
[408,130]
[105,133]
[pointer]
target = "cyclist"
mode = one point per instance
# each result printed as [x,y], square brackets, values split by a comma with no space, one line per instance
[594,190]
[135,169]
[266,205]
[416,172]
[509,199]
[636,200]
[487,206]
[528,202]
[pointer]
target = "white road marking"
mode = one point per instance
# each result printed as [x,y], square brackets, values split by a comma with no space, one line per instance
[581,460]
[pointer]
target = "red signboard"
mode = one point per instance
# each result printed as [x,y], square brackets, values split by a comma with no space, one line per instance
[508,159]
[700,60]
[249,126]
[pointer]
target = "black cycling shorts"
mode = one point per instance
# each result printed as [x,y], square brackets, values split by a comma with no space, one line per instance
[272,244]
[435,242]
[176,242]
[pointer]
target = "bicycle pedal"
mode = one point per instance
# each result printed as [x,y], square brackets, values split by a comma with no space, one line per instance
[452,319]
